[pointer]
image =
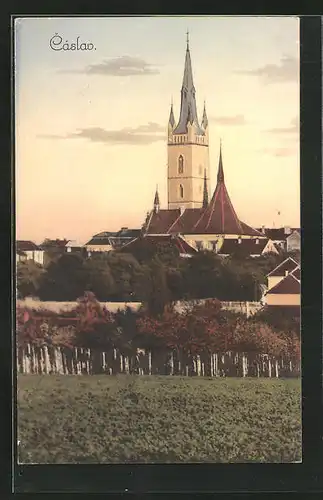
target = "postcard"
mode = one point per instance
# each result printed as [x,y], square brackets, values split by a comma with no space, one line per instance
[158,240]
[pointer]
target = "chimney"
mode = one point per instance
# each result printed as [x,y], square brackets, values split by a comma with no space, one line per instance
[181,210]
[263,230]
[287,230]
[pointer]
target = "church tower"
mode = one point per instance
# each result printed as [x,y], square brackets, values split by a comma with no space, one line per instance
[188,149]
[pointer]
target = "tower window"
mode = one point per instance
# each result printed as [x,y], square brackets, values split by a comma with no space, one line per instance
[181,164]
[181,191]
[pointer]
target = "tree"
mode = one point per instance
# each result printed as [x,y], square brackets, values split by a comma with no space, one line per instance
[65,279]
[29,275]
[157,294]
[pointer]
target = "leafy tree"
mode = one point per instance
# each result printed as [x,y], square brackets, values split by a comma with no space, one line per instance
[65,279]
[29,275]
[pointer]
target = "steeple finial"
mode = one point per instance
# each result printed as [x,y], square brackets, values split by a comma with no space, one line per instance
[156,200]
[205,121]
[205,192]
[220,170]
[187,40]
[171,120]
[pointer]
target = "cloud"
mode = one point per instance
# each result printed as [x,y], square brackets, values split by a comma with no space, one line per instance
[279,152]
[143,134]
[229,120]
[293,128]
[286,71]
[120,66]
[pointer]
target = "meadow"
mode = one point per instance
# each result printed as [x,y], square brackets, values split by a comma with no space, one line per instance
[92,419]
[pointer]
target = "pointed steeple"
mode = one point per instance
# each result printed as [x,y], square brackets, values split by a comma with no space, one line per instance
[188,111]
[220,216]
[220,169]
[156,200]
[205,121]
[171,120]
[205,192]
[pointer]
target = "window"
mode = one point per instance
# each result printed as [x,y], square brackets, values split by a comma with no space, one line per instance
[181,191]
[181,164]
[257,241]
[198,245]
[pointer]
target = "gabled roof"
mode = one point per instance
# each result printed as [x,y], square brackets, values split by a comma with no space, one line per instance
[26,245]
[53,244]
[288,265]
[288,285]
[247,246]
[297,273]
[278,234]
[177,242]
[108,238]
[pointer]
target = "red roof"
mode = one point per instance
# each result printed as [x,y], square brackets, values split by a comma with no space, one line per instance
[218,217]
[178,242]
[288,265]
[247,246]
[288,285]
[26,245]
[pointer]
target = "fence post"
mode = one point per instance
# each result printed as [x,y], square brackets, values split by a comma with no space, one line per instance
[276,369]
[171,363]
[198,365]
[149,363]
[47,363]
[269,367]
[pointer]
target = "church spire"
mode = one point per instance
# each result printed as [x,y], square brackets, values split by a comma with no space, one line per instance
[220,169]
[171,120]
[205,192]
[188,111]
[205,121]
[156,200]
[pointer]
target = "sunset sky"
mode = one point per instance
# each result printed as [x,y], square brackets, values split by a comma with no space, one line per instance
[91,125]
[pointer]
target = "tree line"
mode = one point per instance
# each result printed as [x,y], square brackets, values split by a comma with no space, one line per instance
[158,276]
[203,328]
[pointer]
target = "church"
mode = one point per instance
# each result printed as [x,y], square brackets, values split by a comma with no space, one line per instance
[205,222]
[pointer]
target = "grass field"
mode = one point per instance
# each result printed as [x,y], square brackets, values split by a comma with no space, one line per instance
[78,419]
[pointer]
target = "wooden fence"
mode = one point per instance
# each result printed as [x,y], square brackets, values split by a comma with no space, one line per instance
[78,361]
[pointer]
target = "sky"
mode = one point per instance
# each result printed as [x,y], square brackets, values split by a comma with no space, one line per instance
[91,125]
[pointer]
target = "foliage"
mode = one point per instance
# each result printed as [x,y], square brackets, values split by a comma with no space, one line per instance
[154,274]
[29,275]
[103,419]
[204,327]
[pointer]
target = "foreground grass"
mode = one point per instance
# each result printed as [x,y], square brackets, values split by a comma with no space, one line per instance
[65,419]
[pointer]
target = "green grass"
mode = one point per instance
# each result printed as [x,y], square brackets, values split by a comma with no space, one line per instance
[78,419]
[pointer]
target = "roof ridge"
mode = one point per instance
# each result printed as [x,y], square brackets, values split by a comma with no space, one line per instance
[279,265]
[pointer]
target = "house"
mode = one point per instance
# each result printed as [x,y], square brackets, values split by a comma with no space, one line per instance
[247,247]
[73,246]
[281,271]
[107,241]
[53,249]
[28,250]
[152,244]
[293,241]
[287,238]
[286,293]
